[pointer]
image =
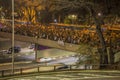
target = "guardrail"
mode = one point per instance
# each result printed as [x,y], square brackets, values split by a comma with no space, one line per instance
[50,68]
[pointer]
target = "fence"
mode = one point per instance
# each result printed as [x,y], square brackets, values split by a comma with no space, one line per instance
[34,69]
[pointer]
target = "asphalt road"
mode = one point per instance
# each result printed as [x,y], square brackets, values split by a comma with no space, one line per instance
[27,54]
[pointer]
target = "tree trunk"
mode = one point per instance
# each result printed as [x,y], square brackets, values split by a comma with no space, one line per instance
[111,53]
[104,56]
[59,19]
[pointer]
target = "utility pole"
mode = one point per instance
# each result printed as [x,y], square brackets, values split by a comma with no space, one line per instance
[36,46]
[13,37]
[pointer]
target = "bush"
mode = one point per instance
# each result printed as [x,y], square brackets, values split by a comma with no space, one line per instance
[67,20]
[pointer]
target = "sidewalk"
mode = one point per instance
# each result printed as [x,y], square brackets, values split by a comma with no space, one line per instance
[69,75]
[4,66]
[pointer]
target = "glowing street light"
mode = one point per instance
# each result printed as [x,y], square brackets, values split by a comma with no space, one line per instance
[99,14]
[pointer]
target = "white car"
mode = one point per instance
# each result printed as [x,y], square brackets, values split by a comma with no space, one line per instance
[45,59]
[4,51]
[32,46]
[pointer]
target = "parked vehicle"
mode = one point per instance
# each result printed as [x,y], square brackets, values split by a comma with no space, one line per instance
[44,59]
[3,51]
[32,46]
[17,49]
[63,67]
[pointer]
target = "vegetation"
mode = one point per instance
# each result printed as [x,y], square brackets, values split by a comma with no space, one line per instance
[46,11]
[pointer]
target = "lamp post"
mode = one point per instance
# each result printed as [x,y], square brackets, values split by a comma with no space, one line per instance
[99,14]
[12,36]
[73,18]
[36,47]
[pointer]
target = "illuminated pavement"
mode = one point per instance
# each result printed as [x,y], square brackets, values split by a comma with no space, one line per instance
[71,75]
[26,56]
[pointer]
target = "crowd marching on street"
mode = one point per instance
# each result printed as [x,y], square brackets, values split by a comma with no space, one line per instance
[66,34]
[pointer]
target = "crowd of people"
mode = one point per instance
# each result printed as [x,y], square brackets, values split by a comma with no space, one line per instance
[66,34]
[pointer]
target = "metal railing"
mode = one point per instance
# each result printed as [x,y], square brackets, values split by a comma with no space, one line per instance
[50,68]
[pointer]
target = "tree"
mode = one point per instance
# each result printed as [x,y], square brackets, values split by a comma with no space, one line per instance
[89,53]
[6,8]
[77,4]
[29,11]
[64,7]
[104,56]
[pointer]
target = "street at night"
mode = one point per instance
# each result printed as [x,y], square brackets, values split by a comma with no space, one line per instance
[27,56]
[59,39]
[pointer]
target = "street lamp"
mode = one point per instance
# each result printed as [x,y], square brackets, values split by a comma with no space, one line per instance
[12,36]
[36,47]
[99,14]
[73,18]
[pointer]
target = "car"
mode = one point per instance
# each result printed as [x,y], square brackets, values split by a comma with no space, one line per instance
[4,51]
[63,67]
[44,59]
[32,46]
[17,49]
